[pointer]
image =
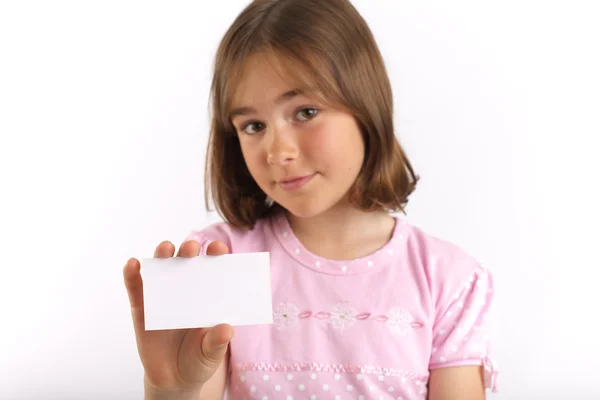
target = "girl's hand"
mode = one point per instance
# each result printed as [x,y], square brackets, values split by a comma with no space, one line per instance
[180,359]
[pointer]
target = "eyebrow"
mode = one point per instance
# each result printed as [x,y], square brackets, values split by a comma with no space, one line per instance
[282,98]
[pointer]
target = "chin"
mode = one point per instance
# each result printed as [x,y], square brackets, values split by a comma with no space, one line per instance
[305,209]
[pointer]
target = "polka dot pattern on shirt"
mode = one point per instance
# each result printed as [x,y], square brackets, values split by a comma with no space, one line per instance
[327,385]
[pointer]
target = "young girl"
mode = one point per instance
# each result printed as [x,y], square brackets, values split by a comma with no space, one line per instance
[303,163]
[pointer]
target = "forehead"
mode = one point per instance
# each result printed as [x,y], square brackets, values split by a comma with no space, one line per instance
[264,76]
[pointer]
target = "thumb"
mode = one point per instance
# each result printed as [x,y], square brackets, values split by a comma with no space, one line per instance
[215,343]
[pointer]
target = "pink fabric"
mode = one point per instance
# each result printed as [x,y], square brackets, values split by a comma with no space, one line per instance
[368,328]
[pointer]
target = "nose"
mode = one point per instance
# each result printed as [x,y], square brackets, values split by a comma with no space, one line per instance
[281,147]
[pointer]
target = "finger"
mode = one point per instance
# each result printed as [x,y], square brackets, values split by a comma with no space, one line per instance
[214,344]
[191,248]
[135,292]
[133,283]
[164,250]
[217,248]
[205,350]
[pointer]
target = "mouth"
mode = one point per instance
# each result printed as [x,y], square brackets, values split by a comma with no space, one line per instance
[295,182]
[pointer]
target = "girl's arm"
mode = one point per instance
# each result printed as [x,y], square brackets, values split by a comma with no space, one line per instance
[457,383]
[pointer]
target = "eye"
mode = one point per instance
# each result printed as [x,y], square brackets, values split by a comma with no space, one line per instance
[253,127]
[306,114]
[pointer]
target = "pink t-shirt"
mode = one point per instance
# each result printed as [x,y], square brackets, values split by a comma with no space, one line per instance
[368,328]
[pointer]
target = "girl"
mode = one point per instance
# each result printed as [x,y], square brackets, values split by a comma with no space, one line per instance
[303,163]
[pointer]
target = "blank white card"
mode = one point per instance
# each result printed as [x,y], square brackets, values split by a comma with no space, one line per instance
[205,291]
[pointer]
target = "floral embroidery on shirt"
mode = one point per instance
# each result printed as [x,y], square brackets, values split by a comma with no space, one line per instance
[400,321]
[285,315]
[343,316]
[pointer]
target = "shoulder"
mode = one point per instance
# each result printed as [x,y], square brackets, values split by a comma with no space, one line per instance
[448,268]
[439,256]
[236,239]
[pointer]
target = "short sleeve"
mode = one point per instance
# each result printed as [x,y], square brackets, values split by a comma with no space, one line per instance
[462,334]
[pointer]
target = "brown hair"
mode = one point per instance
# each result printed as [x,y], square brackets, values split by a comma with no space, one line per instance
[328,45]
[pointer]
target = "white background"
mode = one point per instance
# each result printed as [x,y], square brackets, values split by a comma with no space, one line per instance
[103,124]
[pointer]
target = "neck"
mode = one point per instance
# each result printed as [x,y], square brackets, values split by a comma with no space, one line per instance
[343,233]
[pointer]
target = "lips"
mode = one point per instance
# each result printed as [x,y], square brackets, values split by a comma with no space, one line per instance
[295,182]
[293,179]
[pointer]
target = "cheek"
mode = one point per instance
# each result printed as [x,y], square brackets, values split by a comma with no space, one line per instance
[336,148]
[321,147]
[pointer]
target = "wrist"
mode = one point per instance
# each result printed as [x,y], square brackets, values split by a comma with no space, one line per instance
[152,393]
